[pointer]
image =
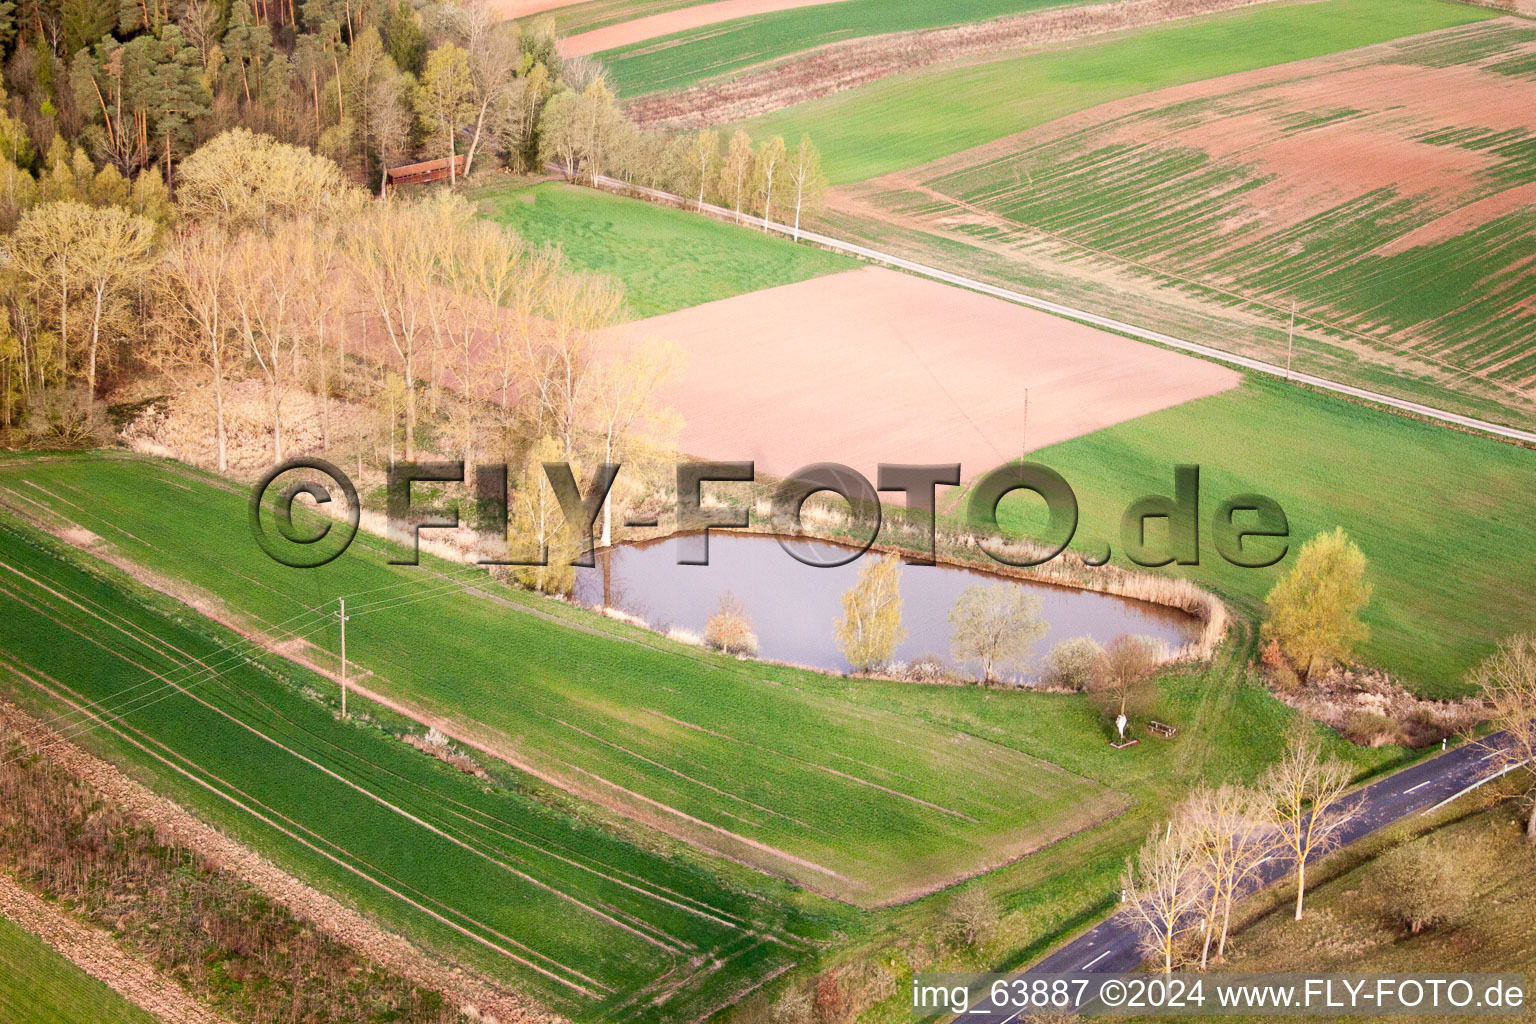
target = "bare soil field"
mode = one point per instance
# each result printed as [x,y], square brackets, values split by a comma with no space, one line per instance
[855,62]
[872,366]
[1386,190]
[655,26]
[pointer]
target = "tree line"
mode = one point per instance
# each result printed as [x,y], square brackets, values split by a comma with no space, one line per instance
[141,84]
[482,347]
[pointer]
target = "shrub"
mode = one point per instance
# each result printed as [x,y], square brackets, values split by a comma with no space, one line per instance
[1369,728]
[730,630]
[1421,885]
[1070,663]
[797,1006]
[972,914]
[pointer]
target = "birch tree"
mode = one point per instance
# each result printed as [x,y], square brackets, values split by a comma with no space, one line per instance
[807,183]
[703,161]
[1507,681]
[1307,793]
[624,394]
[113,251]
[46,249]
[870,629]
[736,171]
[193,283]
[768,173]
[1231,828]
[1161,885]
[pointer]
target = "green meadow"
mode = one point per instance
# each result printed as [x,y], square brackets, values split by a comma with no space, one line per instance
[1444,518]
[681,59]
[909,120]
[766,765]
[1043,755]
[38,986]
[667,259]
[488,870]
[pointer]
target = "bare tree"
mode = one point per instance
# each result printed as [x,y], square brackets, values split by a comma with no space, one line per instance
[578,307]
[1162,886]
[393,250]
[264,299]
[624,394]
[391,122]
[1507,679]
[491,43]
[1121,679]
[193,284]
[1231,829]
[972,912]
[996,625]
[316,261]
[1306,790]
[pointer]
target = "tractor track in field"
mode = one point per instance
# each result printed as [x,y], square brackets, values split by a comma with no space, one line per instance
[609,795]
[1442,417]
[341,922]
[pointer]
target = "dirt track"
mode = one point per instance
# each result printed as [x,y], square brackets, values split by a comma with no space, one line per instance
[176,824]
[656,25]
[94,952]
[871,366]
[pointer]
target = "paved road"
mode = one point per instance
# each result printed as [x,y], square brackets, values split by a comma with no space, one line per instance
[1111,947]
[1257,365]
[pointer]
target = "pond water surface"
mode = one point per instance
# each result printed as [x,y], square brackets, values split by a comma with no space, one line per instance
[794,607]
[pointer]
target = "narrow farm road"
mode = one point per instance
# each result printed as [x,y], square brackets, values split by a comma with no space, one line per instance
[1083,316]
[1111,947]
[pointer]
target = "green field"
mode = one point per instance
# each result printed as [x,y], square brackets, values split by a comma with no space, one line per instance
[769,766]
[486,871]
[38,986]
[1134,187]
[681,59]
[1444,518]
[667,259]
[186,525]
[598,13]
[909,120]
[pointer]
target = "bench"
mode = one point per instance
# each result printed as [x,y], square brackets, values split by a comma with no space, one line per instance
[1162,729]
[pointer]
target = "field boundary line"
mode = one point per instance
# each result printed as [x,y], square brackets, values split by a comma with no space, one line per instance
[1444,416]
[92,951]
[599,912]
[299,839]
[328,914]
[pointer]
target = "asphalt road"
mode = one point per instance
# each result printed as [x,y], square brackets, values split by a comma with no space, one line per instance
[1119,327]
[1112,946]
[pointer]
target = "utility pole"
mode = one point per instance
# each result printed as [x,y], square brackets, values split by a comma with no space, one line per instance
[342,617]
[1024,434]
[1290,345]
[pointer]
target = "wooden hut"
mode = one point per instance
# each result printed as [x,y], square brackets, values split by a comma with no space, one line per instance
[423,173]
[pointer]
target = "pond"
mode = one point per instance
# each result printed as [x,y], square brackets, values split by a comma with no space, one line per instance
[794,607]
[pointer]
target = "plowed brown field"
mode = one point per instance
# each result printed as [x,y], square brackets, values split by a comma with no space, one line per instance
[872,366]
